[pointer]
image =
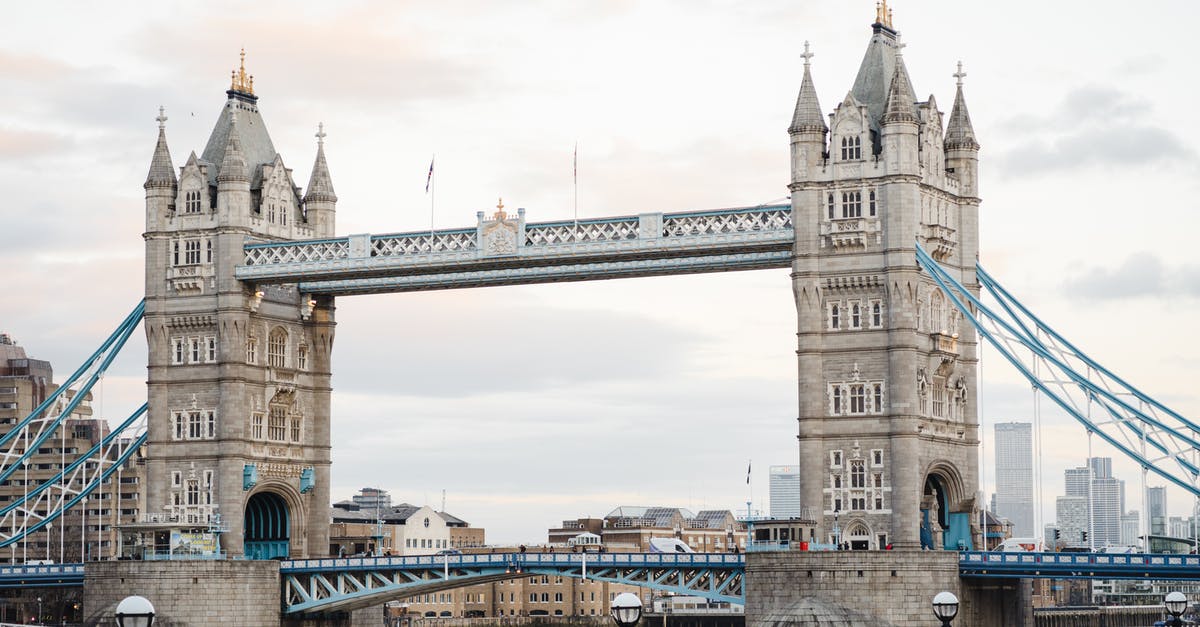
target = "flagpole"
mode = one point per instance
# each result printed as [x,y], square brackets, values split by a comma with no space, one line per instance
[432,199]
[575,180]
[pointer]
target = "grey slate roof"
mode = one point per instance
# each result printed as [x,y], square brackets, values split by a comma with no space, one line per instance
[256,144]
[959,132]
[162,171]
[808,116]
[874,79]
[900,97]
[320,185]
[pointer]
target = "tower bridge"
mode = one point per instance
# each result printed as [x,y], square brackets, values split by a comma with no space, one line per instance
[243,268]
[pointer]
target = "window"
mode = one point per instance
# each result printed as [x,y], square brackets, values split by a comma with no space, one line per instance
[876,314]
[879,502]
[851,148]
[851,204]
[855,316]
[837,504]
[277,424]
[939,397]
[176,479]
[211,422]
[837,481]
[177,425]
[191,252]
[175,244]
[195,427]
[830,207]
[295,429]
[858,503]
[545,597]
[871,203]
[191,201]
[277,348]
[878,480]
[208,255]
[256,426]
[558,597]
[193,492]
[858,474]
[835,459]
[194,352]
[835,315]
[857,399]
[877,457]
[302,357]
[252,350]
[837,400]
[177,351]
[210,352]
[935,313]
[877,398]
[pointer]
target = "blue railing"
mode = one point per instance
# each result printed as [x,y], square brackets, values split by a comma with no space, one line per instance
[1079,565]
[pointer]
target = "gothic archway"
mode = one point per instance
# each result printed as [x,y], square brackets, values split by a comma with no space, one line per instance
[858,536]
[944,524]
[267,527]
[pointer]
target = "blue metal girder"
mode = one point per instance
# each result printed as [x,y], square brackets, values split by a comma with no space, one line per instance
[41,576]
[1154,566]
[324,585]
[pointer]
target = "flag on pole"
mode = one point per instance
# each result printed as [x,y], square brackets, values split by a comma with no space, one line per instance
[575,162]
[429,177]
[748,464]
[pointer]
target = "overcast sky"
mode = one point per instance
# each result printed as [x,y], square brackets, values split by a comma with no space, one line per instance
[531,405]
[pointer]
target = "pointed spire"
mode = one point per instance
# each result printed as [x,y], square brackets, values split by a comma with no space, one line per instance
[320,185]
[233,164]
[899,107]
[959,133]
[808,110]
[162,171]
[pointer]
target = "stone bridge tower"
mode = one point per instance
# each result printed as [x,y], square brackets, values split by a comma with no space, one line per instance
[888,430]
[239,376]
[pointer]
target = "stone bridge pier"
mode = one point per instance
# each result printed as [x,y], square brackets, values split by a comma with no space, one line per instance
[882,588]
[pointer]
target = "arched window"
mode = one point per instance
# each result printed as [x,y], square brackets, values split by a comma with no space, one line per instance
[277,348]
[858,474]
[856,151]
[871,197]
[835,316]
[936,320]
[830,217]
[845,149]
[191,201]
[855,316]
[876,314]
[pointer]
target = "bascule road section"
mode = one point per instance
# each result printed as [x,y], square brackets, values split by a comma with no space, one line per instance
[504,249]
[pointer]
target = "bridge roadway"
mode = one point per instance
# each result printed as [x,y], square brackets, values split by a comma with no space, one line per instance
[505,250]
[320,585]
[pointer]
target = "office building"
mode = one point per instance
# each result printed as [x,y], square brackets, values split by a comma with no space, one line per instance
[1156,505]
[1014,475]
[785,491]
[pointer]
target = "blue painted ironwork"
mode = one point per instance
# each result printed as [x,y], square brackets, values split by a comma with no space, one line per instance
[649,244]
[1157,438]
[307,480]
[41,576]
[249,476]
[338,584]
[1157,566]
[268,527]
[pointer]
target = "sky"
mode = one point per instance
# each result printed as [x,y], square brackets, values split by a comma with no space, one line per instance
[531,405]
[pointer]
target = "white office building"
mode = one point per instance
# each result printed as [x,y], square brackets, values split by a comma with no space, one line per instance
[785,491]
[1014,476]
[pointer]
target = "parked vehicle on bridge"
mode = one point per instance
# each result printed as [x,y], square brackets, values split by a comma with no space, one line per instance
[1034,545]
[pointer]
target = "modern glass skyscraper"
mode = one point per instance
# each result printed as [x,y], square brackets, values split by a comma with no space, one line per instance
[1156,504]
[1014,476]
[785,491]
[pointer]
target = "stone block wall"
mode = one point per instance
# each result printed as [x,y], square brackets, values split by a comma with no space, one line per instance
[186,593]
[885,588]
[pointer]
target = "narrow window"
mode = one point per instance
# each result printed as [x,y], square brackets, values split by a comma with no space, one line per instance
[878,480]
[195,349]
[830,217]
[877,402]
[277,348]
[177,419]
[208,255]
[855,316]
[835,313]
[837,458]
[177,352]
[879,505]
[211,430]
[871,200]
[295,429]
[252,350]
[176,479]
[193,492]
[277,424]
[195,427]
[858,148]
[837,481]
[845,150]
[858,474]
[876,314]
[837,403]
[211,351]
[857,399]
[302,357]
[877,457]
[175,253]
[191,252]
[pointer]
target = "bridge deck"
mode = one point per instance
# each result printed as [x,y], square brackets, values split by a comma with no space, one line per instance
[506,250]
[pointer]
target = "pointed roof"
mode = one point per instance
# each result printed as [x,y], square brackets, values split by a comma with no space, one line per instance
[808,115]
[900,97]
[233,162]
[162,171]
[257,147]
[960,133]
[877,71]
[320,185]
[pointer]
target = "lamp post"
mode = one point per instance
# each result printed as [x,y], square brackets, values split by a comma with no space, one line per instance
[1176,603]
[135,611]
[39,615]
[945,607]
[626,609]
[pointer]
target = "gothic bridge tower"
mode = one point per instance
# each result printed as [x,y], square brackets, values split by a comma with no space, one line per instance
[238,376]
[888,429]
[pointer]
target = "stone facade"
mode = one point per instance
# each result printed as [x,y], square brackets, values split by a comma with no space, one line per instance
[235,592]
[239,376]
[888,430]
[887,588]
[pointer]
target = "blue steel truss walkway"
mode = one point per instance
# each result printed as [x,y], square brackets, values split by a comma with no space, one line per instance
[323,585]
[505,250]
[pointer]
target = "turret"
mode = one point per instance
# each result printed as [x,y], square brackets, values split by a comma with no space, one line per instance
[962,150]
[900,124]
[160,184]
[808,128]
[233,179]
[320,201]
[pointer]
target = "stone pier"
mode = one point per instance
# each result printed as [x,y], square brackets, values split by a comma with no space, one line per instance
[886,588]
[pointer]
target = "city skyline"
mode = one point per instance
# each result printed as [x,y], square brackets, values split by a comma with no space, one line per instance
[493,395]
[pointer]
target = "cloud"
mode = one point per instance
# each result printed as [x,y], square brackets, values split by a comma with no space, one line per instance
[1140,275]
[1094,126]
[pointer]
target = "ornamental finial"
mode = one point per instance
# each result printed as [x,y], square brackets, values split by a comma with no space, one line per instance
[320,134]
[240,81]
[500,215]
[162,118]
[807,56]
[883,15]
[960,74]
